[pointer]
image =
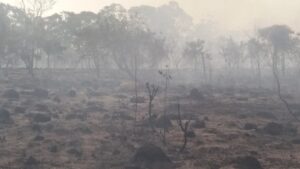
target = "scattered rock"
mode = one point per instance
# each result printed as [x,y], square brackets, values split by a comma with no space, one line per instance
[41,93]
[5,116]
[93,109]
[196,94]
[41,117]
[20,110]
[198,124]
[266,115]
[290,129]
[242,99]
[76,116]
[162,122]
[296,141]
[53,148]
[56,99]
[120,96]
[31,162]
[122,115]
[273,128]
[42,108]
[139,99]
[72,93]
[206,118]
[132,167]
[190,134]
[83,130]
[184,116]
[93,93]
[279,129]
[151,156]
[36,128]
[247,162]
[77,152]
[250,126]
[39,138]
[11,94]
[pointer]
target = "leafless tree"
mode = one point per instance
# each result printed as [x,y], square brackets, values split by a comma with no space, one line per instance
[184,128]
[167,77]
[152,92]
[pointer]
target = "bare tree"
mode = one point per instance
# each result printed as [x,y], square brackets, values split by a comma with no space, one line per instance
[195,50]
[279,39]
[255,51]
[34,11]
[184,128]
[152,92]
[167,77]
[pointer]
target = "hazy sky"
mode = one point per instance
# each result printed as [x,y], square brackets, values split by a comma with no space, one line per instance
[230,14]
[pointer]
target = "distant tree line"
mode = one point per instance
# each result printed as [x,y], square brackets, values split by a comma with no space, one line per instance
[130,40]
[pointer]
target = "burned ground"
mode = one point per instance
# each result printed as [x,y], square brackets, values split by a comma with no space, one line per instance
[76,124]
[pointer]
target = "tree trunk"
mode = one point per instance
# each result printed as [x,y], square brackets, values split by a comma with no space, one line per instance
[204,67]
[259,73]
[278,84]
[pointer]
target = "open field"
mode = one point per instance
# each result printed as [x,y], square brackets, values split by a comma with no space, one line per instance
[91,125]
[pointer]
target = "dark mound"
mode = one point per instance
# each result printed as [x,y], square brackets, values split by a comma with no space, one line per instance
[162,122]
[4,116]
[247,162]
[139,99]
[41,93]
[41,118]
[273,129]
[196,94]
[151,156]
[72,93]
[11,94]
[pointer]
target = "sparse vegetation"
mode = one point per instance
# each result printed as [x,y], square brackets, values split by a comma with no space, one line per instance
[73,93]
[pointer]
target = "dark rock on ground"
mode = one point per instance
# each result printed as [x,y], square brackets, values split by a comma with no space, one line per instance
[41,117]
[196,94]
[132,167]
[36,128]
[273,129]
[198,124]
[163,122]
[290,129]
[41,93]
[72,93]
[83,130]
[296,141]
[206,119]
[184,116]
[39,138]
[139,99]
[42,108]
[266,115]
[93,93]
[77,152]
[250,126]
[20,110]
[247,162]
[56,99]
[151,156]
[191,134]
[122,115]
[53,148]
[5,116]
[11,94]
[31,163]
[78,116]
[276,129]
[93,109]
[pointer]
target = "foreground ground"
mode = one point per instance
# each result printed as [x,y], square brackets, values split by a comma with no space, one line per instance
[69,124]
